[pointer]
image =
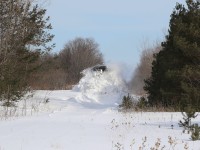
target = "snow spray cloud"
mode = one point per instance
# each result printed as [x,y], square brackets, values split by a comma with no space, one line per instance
[102,88]
[124,71]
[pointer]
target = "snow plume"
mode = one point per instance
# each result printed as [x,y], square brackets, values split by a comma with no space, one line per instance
[101,89]
[125,71]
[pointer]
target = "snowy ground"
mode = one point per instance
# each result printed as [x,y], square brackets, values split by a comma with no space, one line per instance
[68,125]
[86,118]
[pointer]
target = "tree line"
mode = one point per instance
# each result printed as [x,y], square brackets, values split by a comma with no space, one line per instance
[25,59]
[169,73]
[63,70]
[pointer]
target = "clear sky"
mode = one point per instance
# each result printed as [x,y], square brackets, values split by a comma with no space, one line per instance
[120,27]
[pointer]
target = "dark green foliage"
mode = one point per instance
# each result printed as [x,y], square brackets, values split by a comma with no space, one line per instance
[175,77]
[142,103]
[23,38]
[195,132]
[187,116]
[127,103]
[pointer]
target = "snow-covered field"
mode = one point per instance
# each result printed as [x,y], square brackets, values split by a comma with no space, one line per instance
[86,118]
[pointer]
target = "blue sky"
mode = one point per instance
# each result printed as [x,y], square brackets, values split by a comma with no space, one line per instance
[119,27]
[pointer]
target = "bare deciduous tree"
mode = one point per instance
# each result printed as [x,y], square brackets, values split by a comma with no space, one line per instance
[78,55]
[143,70]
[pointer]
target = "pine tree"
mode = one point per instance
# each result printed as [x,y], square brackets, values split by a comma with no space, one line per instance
[23,38]
[187,116]
[195,133]
[127,103]
[175,77]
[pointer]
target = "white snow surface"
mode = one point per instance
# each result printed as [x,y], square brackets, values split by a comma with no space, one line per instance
[87,118]
[64,124]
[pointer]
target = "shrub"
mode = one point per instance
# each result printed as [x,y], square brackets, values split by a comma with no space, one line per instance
[127,102]
[195,132]
[187,116]
[142,103]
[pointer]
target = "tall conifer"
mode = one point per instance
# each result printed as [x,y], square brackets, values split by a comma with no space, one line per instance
[175,78]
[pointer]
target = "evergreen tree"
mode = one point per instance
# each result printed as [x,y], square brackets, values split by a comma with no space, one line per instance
[195,133]
[187,116]
[175,77]
[127,103]
[23,38]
